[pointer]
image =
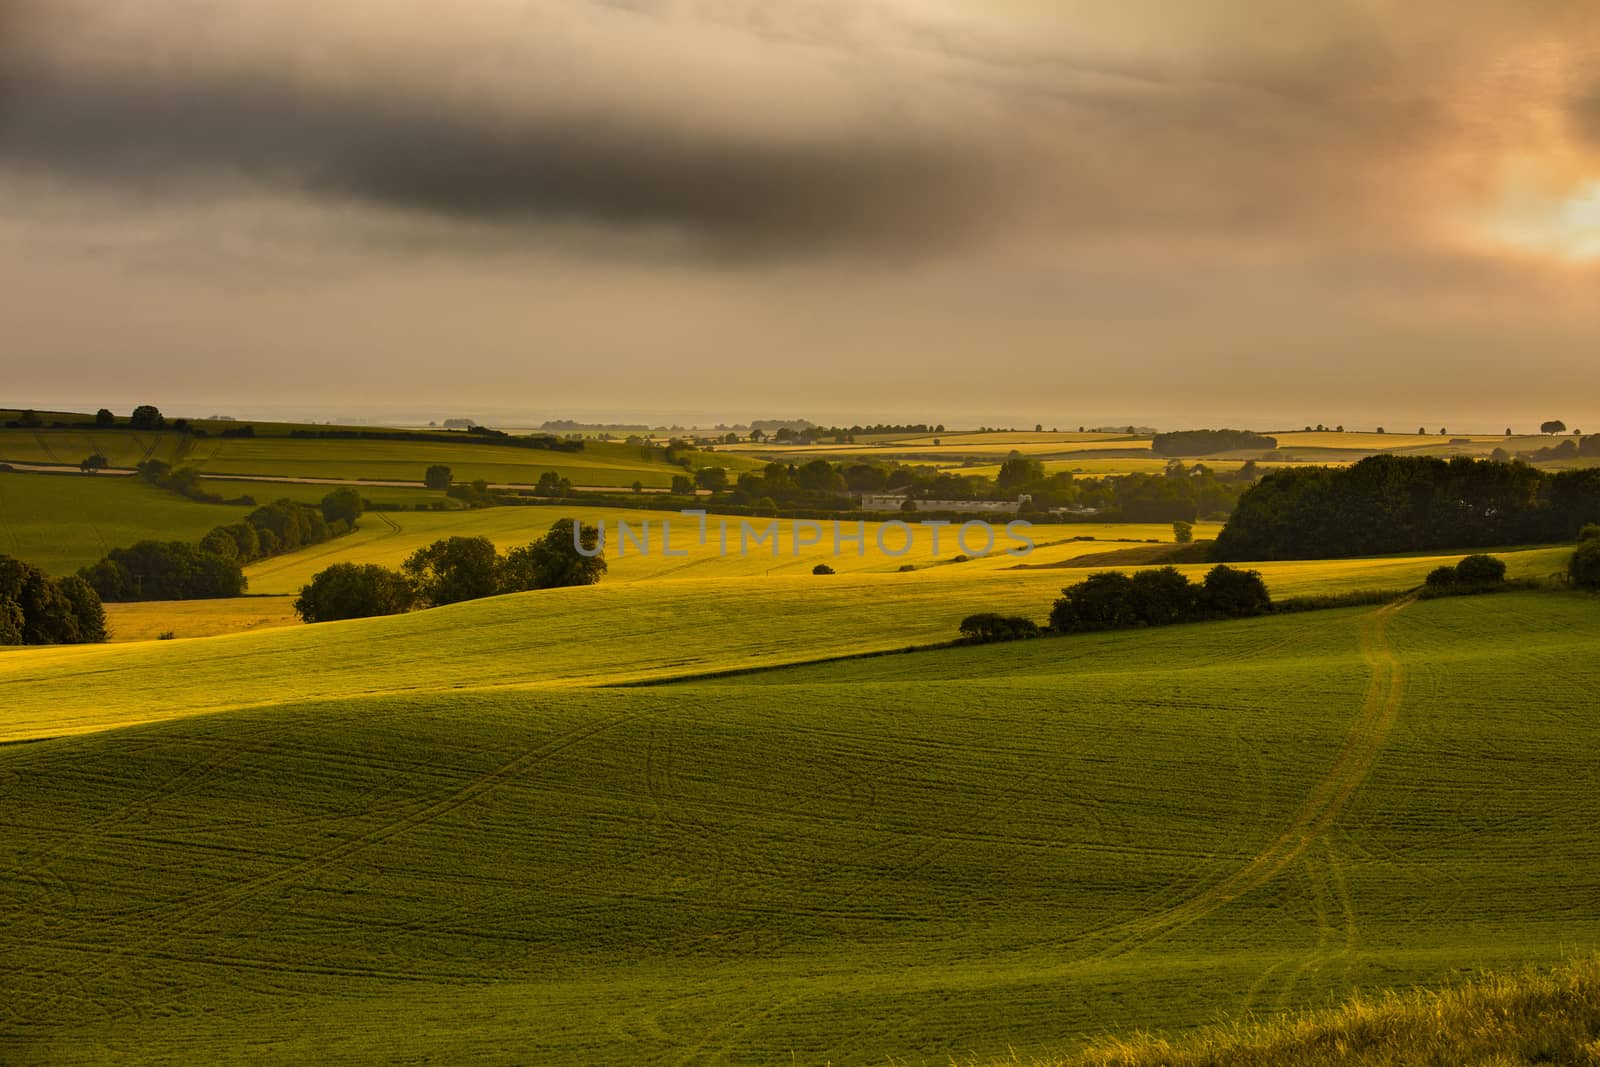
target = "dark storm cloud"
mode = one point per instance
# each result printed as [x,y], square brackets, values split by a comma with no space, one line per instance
[868,179]
[789,127]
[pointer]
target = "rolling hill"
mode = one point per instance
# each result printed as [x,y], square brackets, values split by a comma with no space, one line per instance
[439,836]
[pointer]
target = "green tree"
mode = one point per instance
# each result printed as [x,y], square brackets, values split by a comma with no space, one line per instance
[219,542]
[1481,570]
[1102,601]
[1553,426]
[438,476]
[1583,569]
[1164,596]
[146,417]
[552,484]
[819,476]
[1019,470]
[1235,594]
[682,485]
[454,569]
[164,570]
[90,464]
[354,591]
[712,478]
[343,503]
[36,609]
[554,561]
[1183,532]
[104,419]
[87,611]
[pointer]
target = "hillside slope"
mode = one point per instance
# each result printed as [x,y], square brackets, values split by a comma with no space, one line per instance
[918,856]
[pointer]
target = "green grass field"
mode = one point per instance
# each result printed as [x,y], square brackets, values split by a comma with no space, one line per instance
[59,522]
[433,837]
[599,464]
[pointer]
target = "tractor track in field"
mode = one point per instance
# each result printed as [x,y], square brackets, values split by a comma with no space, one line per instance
[1315,816]
[189,912]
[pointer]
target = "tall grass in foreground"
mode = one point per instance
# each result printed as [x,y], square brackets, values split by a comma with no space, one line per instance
[1533,1016]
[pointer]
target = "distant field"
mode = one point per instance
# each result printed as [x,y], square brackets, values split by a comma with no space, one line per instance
[918,858]
[601,464]
[59,522]
[311,493]
[122,448]
[388,539]
[148,619]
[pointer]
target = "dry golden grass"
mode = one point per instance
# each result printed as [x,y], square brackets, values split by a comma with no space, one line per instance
[1530,1017]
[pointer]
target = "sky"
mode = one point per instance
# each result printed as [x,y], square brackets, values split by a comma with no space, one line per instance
[1174,212]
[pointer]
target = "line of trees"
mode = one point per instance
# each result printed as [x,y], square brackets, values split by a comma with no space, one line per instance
[452,570]
[1210,442]
[1112,600]
[473,435]
[36,609]
[214,567]
[1180,493]
[1387,504]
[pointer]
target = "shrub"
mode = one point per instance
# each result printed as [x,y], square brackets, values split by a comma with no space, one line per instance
[988,627]
[1101,601]
[1441,576]
[353,591]
[1162,597]
[1590,532]
[822,568]
[1583,570]
[1235,594]
[1481,570]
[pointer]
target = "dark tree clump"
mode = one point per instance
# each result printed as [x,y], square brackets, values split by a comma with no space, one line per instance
[554,561]
[454,569]
[988,627]
[164,570]
[36,609]
[1583,570]
[353,591]
[1209,442]
[344,504]
[1387,504]
[437,476]
[146,417]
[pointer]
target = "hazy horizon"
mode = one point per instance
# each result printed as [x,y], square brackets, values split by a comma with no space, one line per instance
[1226,212]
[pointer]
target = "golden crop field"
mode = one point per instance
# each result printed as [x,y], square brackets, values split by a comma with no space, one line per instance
[641,551]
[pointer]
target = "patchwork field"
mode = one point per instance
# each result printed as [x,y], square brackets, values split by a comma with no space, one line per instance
[59,522]
[389,538]
[599,464]
[912,858]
